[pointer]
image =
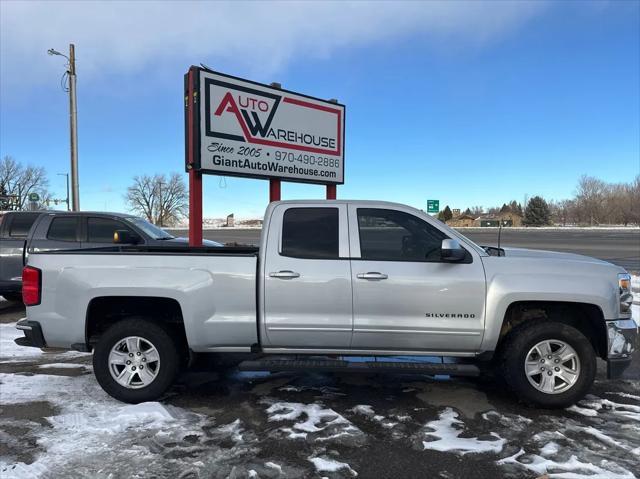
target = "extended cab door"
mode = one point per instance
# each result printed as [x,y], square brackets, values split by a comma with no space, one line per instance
[405,297]
[307,278]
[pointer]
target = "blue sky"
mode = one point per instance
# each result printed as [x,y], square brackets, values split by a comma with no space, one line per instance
[467,102]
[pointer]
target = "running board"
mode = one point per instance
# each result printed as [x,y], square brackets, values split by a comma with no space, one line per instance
[368,366]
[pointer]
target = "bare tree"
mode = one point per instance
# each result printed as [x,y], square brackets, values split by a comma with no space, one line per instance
[590,199]
[475,211]
[159,199]
[18,181]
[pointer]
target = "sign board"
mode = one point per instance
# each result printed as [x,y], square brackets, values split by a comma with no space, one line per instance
[433,206]
[34,197]
[243,128]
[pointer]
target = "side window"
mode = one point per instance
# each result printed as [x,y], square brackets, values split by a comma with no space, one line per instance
[21,225]
[63,228]
[389,235]
[100,230]
[310,233]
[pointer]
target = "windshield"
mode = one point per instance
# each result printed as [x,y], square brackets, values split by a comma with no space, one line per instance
[150,229]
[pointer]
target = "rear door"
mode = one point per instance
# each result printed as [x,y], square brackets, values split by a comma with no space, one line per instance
[56,233]
[405,297]
[307,283]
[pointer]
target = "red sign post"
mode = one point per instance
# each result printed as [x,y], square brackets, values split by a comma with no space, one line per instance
[237,127]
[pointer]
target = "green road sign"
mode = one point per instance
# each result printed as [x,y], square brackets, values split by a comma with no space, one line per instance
[433,206]
[34,197]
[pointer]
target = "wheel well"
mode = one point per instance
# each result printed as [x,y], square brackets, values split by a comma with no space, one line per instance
[586,318]
[103,312]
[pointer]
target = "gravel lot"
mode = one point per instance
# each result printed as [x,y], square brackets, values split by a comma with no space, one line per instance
[55,421]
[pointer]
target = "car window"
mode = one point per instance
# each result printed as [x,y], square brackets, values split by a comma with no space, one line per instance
[21,224]
[100,230]
[150,229]
[310,233]
[390,235]
[63,228]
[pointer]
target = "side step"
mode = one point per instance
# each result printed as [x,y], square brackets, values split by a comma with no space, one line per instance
[329,365]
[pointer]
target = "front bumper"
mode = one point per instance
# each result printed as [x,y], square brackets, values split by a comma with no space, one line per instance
[32,334]
[622,336]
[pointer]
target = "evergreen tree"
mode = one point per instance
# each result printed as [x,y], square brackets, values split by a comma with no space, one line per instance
[505,208]
[537,212]
[515,207]
[446,213]
[467,212]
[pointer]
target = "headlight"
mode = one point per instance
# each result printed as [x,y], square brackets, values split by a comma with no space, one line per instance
[626,298]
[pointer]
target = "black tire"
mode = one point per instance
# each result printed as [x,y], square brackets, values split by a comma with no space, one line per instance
[154,333]
[518,344]
[16,297]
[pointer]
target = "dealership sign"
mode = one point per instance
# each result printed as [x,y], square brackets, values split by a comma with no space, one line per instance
[243,128]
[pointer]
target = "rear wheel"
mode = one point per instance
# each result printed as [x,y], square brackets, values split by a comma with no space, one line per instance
[135,360]
[548,364]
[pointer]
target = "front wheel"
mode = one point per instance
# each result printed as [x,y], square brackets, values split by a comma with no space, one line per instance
[548,364]
[135,360]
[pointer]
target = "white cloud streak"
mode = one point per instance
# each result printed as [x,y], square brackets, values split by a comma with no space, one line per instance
[127,37]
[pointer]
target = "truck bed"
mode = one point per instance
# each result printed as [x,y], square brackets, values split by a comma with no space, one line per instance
[214,288]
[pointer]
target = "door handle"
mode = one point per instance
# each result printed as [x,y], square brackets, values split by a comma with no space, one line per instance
[285,274]
[372,275]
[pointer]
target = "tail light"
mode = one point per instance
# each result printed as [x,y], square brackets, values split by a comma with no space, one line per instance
[31,286]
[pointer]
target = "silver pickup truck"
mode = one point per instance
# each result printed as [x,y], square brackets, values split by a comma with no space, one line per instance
[332,280]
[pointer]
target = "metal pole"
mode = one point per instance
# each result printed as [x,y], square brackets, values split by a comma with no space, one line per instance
[73,120]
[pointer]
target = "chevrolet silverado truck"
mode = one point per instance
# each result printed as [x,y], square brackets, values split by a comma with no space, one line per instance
[332,280]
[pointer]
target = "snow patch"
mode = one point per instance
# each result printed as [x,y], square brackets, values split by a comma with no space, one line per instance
[363,409]
[573,468]
[448,437]
[583,411]
[324,464]
[550,448]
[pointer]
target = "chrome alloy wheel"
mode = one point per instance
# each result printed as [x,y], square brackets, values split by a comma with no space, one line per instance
[552,366]
[134,362]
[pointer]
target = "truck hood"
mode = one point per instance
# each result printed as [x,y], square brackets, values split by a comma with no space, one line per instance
[555,255]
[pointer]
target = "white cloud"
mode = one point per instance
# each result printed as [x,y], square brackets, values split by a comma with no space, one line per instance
[116,37]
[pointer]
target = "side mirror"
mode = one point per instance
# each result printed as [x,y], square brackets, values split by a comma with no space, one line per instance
[452,251]
[125,237]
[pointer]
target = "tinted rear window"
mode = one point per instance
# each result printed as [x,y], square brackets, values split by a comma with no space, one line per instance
[63,228]
[21,224]
[310,233]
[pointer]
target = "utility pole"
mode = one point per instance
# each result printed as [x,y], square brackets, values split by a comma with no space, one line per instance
[67,200]
[73,123]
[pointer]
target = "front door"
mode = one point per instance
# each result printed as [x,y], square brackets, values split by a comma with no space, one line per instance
[405,297]
[307,278]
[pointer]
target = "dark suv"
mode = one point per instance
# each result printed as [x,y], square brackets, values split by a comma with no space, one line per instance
[23,232]
[14,230]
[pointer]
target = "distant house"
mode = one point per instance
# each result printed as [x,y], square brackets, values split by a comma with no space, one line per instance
[504,218]
[462,221]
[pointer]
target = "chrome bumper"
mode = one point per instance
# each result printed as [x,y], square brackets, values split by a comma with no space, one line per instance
[622,336]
